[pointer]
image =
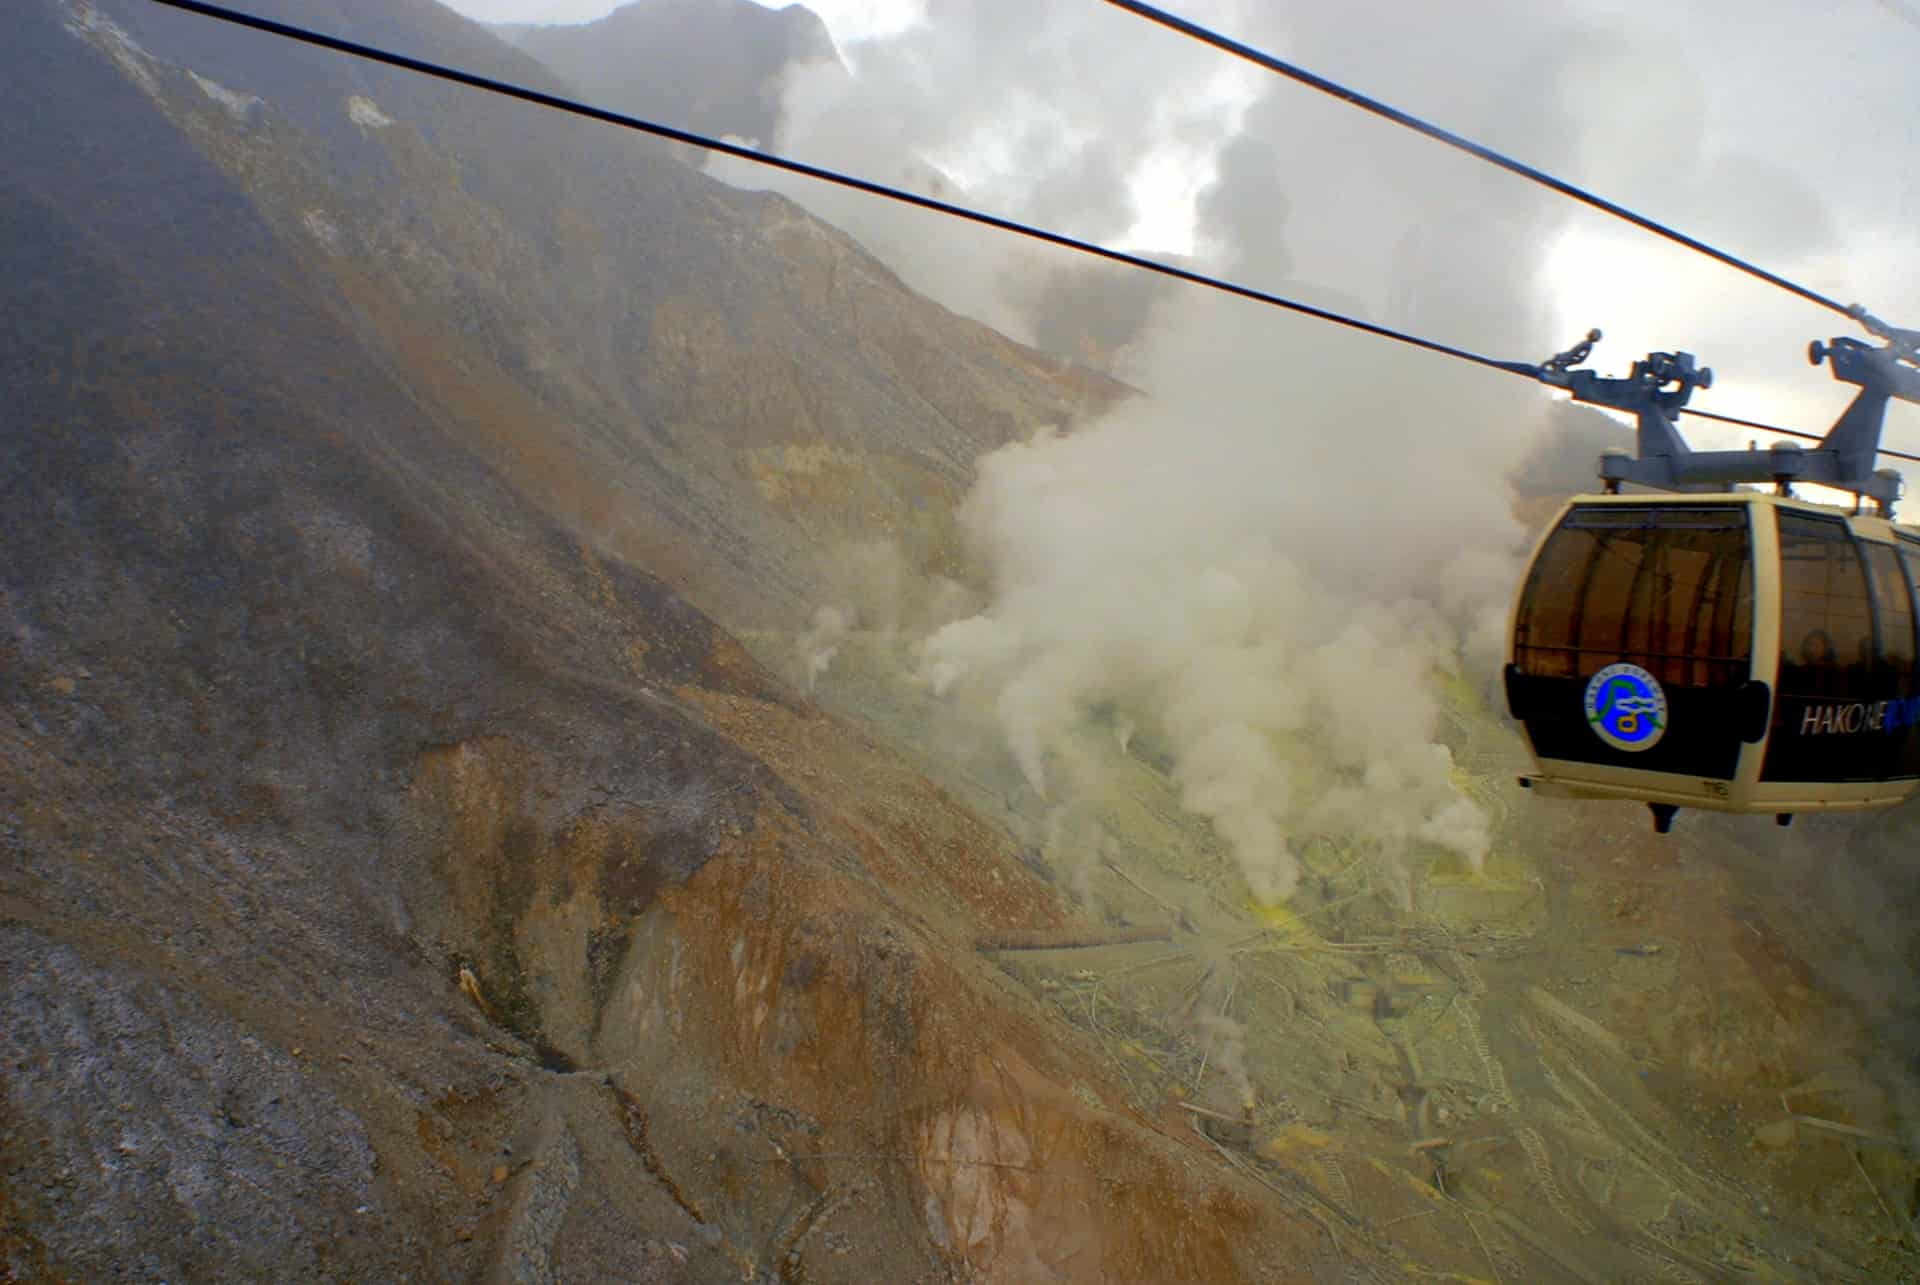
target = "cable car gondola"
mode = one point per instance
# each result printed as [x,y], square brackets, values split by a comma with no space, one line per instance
[1723,648]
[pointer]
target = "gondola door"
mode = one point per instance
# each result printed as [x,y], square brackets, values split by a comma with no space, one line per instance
[1846,708]
[1633,644]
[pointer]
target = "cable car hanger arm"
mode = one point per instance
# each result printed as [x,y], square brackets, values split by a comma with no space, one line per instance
[1657,389]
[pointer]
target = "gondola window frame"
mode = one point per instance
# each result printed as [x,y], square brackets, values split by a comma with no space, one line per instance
[1848,720]
[1616,610]
[1666,588]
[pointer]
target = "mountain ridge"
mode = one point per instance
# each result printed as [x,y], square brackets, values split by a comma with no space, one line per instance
[344,782]
[715,67]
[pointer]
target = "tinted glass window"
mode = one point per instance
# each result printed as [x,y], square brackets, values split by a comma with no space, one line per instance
[1845,709]
[1908,715]
[1893,609]
[1826,613]
[1669,589]
[1909,551]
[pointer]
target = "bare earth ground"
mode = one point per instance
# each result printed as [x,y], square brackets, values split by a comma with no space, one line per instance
[1609,1056]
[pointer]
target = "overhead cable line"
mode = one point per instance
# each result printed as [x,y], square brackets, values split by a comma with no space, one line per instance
[1301,75]
[537,97]
[1737,422]
[1527,370]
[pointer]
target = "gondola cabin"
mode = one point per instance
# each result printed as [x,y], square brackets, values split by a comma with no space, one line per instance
[1741,652]
[1716,647]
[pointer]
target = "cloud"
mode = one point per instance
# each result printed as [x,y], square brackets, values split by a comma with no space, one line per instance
[1035,113]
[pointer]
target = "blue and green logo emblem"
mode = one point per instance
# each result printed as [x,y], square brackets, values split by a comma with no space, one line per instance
[1626,708]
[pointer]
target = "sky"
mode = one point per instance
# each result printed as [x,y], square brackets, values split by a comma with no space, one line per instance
[1787,132]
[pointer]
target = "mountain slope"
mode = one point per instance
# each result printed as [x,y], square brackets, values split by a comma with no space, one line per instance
[682,346]
[397,884]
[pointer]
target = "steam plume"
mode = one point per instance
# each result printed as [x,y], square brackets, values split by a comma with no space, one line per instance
[1269,562]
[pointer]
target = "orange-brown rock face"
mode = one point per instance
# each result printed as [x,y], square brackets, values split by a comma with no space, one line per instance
[816,971]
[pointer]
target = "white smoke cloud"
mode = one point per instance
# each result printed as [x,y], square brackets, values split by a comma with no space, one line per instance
[1188,563]
[1269,563]
[1266,562]
[822,642]
[1034,112]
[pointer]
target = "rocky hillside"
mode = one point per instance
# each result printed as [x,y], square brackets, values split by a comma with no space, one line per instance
[400,880]
[711,66]
[417,860]
[692,356]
